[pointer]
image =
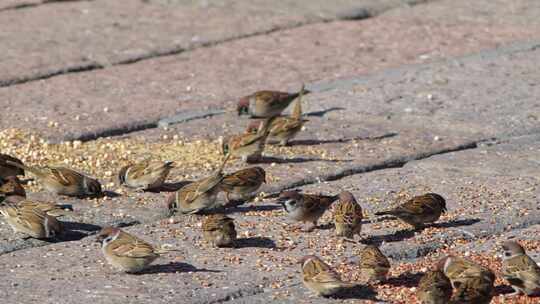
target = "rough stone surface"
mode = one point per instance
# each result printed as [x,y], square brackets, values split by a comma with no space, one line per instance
[137,95]
[398,109]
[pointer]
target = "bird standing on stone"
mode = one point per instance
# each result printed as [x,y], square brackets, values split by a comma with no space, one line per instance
[126,252]
[373,265]
[434,288]
[520,270]
[320,278]
[63,181]
[419,210]
[145,175]
[243,182]
[347,216]
[284,128]
[266,104]
[199,195]
[472,282]
[305,207]
[30,221]
[7,169]
[219,230]
[247,145]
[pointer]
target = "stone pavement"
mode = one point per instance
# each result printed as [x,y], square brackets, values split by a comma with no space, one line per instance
[408,97]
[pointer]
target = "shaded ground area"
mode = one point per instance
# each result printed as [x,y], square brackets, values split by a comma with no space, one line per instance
[418,96]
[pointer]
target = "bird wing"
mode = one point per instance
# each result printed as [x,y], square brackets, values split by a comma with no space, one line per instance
[132,249]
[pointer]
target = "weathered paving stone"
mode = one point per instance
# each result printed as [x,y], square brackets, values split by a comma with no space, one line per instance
[130,97]
[101,33]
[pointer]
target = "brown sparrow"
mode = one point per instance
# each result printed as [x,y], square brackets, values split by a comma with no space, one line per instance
[434,288]
[373,265]
[320,278]
[199,195]
[54,210]
[247,145]
[7,169]
[243,182]
[30,221]
[219,230]
[347,216]
[265,104]
[11,186]
[520,270]
[125,251]
[305,207]
[63,181]
[145,175]
[419,210]
[283,128]
[473,282]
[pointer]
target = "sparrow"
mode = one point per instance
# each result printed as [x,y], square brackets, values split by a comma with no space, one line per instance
[63,181]
[11,187]
[7,169]
[30,221]
[473,283]
[219,230]
[145,175]
[243,182]
[419,210]
[373,264]
[347,216]
[434,288]
[265,104]
[199,195]
[247,145]
[127,252]
[54,210]
[305,207]
[320,278]
[283,128]
[520,270]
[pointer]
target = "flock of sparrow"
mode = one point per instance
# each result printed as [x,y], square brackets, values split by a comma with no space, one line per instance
[453,280]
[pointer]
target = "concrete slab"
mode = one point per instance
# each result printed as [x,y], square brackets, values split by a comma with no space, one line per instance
[131,97]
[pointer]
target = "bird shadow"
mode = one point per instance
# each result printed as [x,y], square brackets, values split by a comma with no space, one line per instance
[456,223]
[405,279]
[327,226]
[250,208]
[255,242]
[74,231]
[503,289]
[283,160]
[173,267]
[169,187]
[387,238]
[321,113]
[356,292]
[315,142]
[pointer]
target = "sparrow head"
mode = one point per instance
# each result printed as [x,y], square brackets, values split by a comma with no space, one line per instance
[512,248]
[243,106]
[260,172]
[122,175]
[346,196]
[440,200]
[107,235]
[171,203]
[11,185]
[289,199]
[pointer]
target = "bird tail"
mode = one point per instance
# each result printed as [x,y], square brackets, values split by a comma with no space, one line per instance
[165,248]
[297,111]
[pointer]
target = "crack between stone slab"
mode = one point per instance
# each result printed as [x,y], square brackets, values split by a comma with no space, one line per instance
[353,14]
[30,5]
